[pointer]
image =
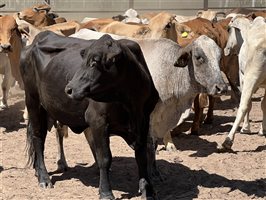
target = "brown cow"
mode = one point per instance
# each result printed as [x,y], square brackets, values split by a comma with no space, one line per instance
[229,64]
[39,16]
[160,26]
[10,43]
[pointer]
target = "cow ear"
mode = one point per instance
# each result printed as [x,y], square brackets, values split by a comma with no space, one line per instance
[82,53]
[184,56]
[182,61]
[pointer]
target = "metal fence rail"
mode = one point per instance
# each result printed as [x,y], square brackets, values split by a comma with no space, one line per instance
[102,8]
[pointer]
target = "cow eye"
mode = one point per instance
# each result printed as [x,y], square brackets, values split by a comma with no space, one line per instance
[199,59]
[97,58]
[93,63]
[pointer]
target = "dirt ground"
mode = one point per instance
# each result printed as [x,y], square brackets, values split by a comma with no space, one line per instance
[194,171]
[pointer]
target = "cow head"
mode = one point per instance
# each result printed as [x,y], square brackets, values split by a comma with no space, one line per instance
[163,26]
[234,42]
[204,55]
[100,72]
[8,33]
[37,15]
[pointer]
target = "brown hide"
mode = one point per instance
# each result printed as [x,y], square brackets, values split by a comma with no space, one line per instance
[37,15]
[9,35]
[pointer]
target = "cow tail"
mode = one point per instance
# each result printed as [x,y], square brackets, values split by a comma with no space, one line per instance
[29,146]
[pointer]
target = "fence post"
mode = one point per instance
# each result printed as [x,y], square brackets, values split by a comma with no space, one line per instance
[205,4]
[131,3]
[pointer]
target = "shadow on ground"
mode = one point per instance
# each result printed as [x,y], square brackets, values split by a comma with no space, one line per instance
[180,182]
[12,117]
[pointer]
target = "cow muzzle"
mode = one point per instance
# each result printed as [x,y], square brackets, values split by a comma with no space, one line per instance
[5,48]
[219,90]
[71,93]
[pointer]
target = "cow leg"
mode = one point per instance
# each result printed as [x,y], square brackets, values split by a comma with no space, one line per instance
[262,130]
[153,171]
[168,142]
[145,186]
[248,90]
[61,132]
[198,109]
[98,139]
[89,138]
[36,134]
[209,116]
[246,125]
[8,81]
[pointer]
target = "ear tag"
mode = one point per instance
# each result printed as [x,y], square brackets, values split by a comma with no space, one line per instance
[184,34]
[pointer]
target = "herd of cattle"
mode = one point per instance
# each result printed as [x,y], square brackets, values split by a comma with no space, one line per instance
[139,81]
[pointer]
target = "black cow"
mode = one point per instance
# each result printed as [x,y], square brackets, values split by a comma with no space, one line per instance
[118,99]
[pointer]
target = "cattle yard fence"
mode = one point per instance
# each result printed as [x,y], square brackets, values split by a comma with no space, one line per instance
[79,9]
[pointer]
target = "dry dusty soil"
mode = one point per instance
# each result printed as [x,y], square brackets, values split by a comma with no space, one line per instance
[194,171]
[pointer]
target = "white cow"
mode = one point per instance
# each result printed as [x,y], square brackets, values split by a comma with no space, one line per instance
[252,61]
[8,79]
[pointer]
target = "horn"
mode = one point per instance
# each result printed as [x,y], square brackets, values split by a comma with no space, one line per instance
[199,13]
[45,2]
[2,5]
[38,9]
[220,13]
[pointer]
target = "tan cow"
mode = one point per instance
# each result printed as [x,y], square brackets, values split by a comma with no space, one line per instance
[160,26]
[97,24]
[10,43]
[39,15]
[29,31]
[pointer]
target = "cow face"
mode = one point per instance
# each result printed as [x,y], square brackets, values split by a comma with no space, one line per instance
[100,72]
[8,32]
[163,26]
[204,55]
[233,42]
[37,15]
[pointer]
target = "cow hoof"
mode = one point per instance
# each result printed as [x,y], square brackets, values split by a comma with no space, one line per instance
[226,146]
[107,196]
[146,190]
[46,185]
[3,106]
[262,133]
[170,147]
[245,131]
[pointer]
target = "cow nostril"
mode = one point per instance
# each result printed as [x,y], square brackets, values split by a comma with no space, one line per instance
[68,90]
[220,90]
